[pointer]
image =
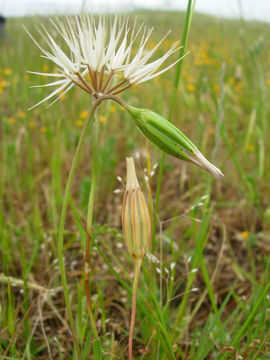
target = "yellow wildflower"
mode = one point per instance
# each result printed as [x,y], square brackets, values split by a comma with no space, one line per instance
[22,114]
[113,108]
[43,129]
[11,120]
[7,71]
[83,114]
[45,67]
[250,147]
[245,234]
[32,124]
[79,123]
[3,83]
[190,87]
[216,88]
[102,118]
[211,131]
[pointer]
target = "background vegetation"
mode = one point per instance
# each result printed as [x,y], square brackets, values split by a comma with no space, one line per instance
[204,295]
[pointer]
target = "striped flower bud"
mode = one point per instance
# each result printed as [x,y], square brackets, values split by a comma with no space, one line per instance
[136,220]
[170,139]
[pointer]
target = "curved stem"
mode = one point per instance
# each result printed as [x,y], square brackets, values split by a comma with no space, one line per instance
[115,98]
[62,224]
[138,264]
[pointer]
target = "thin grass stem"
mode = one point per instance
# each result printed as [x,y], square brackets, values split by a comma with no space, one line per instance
[252,314]
[176,84]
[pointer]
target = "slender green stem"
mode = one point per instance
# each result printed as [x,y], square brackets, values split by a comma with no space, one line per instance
[176,84]
[89,242]
[138,264]
[89,225]
[93,179]
[182,50]
[62,223]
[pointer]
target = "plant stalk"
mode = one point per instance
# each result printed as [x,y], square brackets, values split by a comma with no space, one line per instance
[60,242]
[138,264]
[89,242]
[62,223]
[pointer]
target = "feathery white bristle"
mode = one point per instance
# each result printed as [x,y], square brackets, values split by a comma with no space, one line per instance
[201,161]
[95,46]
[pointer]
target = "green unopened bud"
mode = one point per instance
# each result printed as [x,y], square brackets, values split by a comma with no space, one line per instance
[136,220]
[169,138]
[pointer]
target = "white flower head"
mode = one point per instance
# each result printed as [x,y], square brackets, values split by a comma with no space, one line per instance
[94,51]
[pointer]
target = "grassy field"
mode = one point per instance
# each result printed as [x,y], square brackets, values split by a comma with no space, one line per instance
[206,295]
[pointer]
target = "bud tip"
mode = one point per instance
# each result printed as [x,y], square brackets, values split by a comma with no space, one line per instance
[201,161]
[132,181]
